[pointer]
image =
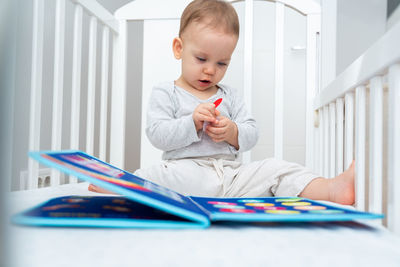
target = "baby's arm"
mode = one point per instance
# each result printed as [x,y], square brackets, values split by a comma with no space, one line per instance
[164,130]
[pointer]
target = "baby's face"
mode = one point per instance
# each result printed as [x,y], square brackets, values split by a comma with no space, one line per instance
[205,56]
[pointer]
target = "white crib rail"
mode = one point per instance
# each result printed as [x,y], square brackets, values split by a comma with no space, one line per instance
[58,83]
[394,149]
[248,60]
[98,14]
[36,88]
[367,76]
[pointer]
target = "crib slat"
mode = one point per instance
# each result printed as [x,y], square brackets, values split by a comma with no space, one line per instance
[313,28]
[326,141]
[91,85]
[76,81]
[104,94]
[36,90]
[248,62]
[76,77]
[375,145]
[118,104]
[332,141]
[279,70]
[321,142]
[315,164]
[360,133]
[58,84]
[349,129]
[393,210]
[339,135]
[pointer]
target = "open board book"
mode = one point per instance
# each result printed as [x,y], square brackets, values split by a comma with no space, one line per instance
[147,205]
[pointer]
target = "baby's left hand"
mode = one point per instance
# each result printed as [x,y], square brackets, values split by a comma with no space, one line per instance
[223,130]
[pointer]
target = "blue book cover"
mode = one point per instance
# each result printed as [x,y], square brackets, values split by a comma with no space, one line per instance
[143,204]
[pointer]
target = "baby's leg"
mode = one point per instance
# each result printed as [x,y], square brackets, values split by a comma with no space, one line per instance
[270,177]
[194,177]
[339,189]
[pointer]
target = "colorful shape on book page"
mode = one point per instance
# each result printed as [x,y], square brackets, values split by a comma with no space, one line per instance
[301,203]
[313,207]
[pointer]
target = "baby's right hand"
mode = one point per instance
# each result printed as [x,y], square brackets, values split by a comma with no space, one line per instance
[204,112]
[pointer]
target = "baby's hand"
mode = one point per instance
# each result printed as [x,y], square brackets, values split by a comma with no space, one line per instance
[204,112]
[224,130]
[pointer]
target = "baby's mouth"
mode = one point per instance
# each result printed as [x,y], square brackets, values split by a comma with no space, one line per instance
[205,81]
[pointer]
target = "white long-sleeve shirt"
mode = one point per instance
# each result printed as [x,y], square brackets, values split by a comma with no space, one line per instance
[170,126]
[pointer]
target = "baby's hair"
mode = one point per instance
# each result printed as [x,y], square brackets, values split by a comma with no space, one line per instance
[216,13]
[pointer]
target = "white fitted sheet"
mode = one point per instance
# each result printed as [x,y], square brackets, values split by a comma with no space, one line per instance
[271,244]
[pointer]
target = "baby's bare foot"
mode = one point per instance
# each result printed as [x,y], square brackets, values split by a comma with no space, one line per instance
[341,188]
[97,189]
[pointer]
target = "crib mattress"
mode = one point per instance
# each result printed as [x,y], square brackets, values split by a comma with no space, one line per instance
[225,244]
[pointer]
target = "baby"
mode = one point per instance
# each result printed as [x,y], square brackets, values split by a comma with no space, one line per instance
[201,143]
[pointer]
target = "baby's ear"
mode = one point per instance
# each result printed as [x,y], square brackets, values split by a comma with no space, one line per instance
[177,47]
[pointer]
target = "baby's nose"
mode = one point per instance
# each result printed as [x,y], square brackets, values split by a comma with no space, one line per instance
[210,70]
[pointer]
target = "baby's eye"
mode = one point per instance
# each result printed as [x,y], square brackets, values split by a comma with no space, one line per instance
[221,64]
[201,59]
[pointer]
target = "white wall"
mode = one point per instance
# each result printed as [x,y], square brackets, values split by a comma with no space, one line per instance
[359,24]
[328,41]
[393,12]
[348,29]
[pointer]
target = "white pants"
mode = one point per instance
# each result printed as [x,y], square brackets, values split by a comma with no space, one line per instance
[219,177]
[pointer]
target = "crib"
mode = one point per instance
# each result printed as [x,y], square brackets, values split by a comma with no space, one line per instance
[356,116]
[108,139]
